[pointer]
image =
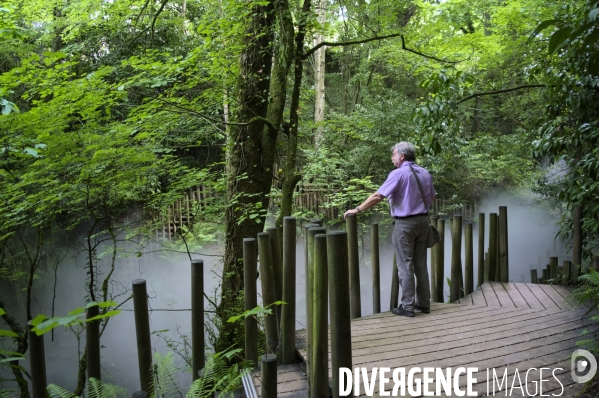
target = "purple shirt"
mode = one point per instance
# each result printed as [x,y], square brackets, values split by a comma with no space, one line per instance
[402,191]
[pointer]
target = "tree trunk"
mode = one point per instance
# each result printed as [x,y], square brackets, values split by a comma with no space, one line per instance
[319,73]
[249,165]
[291,176]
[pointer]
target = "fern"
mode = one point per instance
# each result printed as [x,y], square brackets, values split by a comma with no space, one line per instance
[588,292]
[163,384]
[55,391]
[96,389]
[218,377]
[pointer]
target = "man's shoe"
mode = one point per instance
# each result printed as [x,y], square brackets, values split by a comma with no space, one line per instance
[402,311]
[426,310]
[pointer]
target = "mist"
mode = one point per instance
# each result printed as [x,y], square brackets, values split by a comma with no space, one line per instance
[531,234]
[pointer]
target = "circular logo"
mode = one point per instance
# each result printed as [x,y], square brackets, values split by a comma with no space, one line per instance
[583,366]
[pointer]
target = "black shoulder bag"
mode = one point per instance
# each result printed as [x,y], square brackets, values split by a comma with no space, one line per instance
[432,236]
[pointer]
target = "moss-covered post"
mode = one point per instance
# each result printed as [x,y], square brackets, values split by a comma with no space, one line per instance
[456,258]
[567,273]
[277,270]
[533,276]
[37,360]
[197,317]
[341,352]
[313,231]
[440,261]
[92,345]
[268,292]
[269,375]
[481,249]
[287,351]
[142,331]
[319,383]
[433,265]
[468,260]
[354,265]
[376,272]
[492,246]
[553,267]
[504,266]
[250,264]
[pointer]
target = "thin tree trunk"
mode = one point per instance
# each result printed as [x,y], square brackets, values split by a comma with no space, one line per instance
[319,73]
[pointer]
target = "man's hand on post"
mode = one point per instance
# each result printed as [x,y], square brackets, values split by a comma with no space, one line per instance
[352,211]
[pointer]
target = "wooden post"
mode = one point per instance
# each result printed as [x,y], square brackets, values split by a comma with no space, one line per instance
[319,385]
[504,268]
[139,394]
[481,249]
[313,231]
[433,265]
[533,276]
[277,270]
[307,259]
[354,265]
[492,246]
[142,331]
[440,261]
[376,273]
[316,221]
[250,298]
[269,373]
[341,352]
[553,268]
[546,275]
[394,300]
[560,275]
[567,273]
[456,258]
[267,280]
[197,317]
[92,345]
[287,351]
[486,273]
[37,361]
[576,243]
[468,261]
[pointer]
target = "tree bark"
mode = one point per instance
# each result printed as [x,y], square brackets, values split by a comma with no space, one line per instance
[249,165]
[319,73]
[290,174]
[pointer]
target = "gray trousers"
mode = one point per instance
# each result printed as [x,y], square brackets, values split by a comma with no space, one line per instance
[409,242]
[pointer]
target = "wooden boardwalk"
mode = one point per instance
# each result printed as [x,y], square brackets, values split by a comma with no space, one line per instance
[501,326]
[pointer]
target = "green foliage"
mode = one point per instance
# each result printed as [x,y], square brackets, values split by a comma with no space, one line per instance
[43,324]
[588,292]
[218,377]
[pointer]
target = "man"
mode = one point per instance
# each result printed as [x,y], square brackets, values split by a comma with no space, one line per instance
[411,226]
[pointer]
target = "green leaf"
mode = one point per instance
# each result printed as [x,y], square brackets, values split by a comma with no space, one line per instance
[593,14]
[8,333]
[2,312]
[558,39]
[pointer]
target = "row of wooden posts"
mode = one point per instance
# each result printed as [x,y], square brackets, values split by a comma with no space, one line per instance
[556,274]
[143,337]
[332,277]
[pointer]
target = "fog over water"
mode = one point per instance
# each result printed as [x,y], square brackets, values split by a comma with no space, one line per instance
[531,232]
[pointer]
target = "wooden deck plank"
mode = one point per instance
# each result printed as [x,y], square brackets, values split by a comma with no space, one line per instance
[477,298]
[531,299]
[502,295]
[490,296]
[557,298]
[515,295]
[454,346]
[542,296]
[482,333]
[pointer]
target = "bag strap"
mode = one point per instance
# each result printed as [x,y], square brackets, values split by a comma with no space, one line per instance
[420,188]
